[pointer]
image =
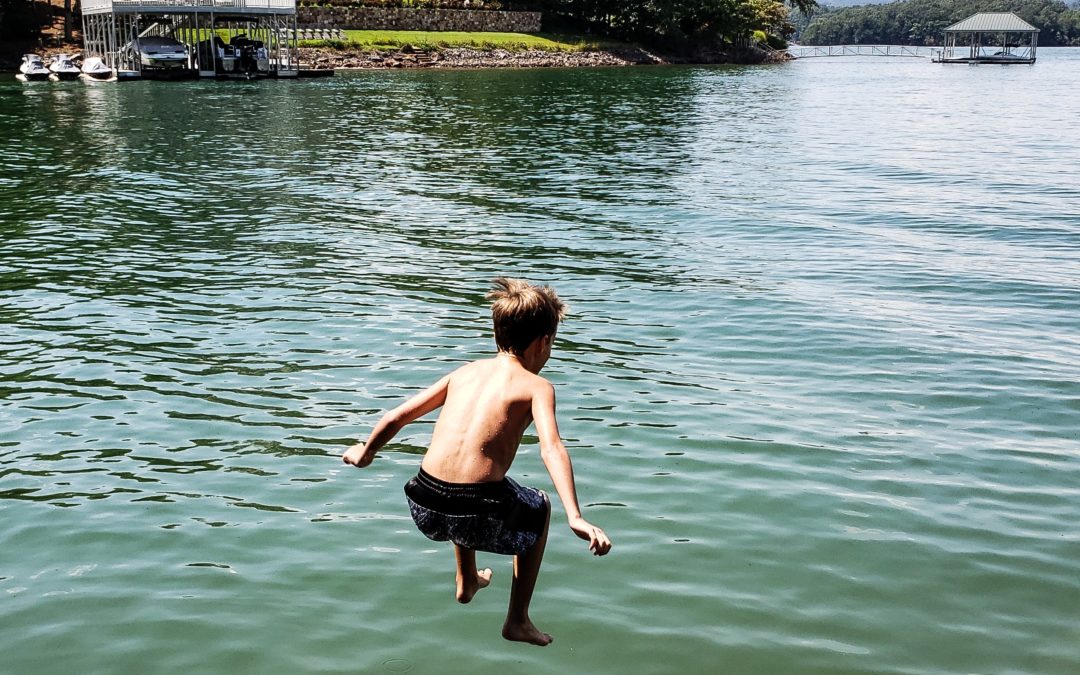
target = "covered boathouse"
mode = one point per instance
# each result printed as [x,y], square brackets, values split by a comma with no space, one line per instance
[206,38]
[989,37]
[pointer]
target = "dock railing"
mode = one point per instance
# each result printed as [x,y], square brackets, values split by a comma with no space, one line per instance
[802,52]
[102,6]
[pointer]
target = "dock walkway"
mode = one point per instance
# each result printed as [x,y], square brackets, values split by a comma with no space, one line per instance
[802,52]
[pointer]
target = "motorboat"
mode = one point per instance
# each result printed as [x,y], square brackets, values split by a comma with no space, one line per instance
[95,69]
[32,68]
[216,55]
[162,54]
[62,68]
[253,56]
[242,57]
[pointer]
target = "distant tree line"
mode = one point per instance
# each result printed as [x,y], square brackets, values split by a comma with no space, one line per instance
[923,22]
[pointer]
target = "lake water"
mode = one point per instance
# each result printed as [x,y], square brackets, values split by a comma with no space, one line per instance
[821,378]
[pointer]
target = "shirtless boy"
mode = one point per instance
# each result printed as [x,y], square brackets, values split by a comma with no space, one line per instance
[461,493]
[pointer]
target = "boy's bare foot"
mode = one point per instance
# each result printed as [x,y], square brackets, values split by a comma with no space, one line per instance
[466,590]
[525,632]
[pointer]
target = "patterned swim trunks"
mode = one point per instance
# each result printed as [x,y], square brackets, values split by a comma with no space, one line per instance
[497,517]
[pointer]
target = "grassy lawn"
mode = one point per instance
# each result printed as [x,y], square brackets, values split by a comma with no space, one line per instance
[392,40]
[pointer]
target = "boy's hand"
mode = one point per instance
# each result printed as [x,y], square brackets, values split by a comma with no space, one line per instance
[357,456]
[599,543]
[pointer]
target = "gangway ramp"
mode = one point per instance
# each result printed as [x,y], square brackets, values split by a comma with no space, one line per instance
[804,52]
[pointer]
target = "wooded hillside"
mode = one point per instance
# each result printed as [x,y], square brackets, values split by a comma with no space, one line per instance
[923,22]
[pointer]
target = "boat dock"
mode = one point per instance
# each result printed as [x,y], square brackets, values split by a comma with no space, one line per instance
[990,37]
[167,39]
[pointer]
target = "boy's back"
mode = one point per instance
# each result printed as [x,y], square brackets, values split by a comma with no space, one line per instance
[461,492]
[488,406]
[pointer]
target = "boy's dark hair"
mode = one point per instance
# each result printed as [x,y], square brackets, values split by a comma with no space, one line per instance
[522,312]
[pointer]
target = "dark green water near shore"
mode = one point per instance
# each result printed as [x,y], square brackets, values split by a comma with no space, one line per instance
[821,379]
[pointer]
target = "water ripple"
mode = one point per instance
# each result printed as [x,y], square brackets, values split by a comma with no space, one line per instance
[820,377]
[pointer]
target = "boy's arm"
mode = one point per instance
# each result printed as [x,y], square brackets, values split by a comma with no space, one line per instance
[361,454]
[558,464]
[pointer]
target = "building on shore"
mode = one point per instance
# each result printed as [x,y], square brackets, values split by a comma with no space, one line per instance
[206,38]
[989,37]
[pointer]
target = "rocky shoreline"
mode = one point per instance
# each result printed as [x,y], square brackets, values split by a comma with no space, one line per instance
[463,58]
[456,57]
[325,58]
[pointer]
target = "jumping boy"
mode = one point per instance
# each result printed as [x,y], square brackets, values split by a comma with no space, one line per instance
[461,493]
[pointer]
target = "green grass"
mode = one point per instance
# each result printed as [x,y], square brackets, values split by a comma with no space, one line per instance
[392,40]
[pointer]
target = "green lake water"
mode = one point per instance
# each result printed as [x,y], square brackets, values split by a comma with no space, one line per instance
[820,381]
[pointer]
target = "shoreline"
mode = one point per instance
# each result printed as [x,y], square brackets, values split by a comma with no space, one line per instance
[460,58]
[321,58]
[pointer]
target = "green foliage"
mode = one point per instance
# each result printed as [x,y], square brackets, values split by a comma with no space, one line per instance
[393,40]
[772,41]
[923,22]
[415,4]
[777,42]
[18,20]
[341,45]
[671,23]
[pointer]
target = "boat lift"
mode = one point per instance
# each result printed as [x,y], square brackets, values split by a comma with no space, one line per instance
[213,31]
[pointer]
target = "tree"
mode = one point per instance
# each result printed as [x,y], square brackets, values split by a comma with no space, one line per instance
[20,21]
[685,24]
[924,21]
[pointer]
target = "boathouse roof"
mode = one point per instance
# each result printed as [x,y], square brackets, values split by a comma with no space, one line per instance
[243,7]
[993,22]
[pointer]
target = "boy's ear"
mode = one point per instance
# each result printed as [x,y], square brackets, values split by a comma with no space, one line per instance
[540,342]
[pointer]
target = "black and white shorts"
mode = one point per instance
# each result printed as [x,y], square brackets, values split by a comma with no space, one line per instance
[497,517]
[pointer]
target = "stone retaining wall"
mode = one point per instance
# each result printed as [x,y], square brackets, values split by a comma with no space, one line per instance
[397,18]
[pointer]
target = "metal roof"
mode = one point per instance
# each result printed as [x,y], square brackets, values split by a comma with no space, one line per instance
[993,22]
